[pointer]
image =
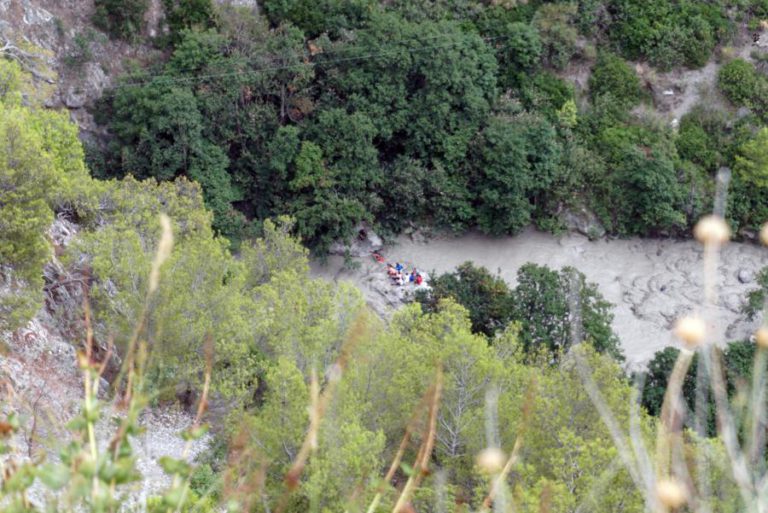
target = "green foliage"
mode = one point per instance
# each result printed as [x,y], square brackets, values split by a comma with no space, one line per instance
[340,111]
[700,140]
[611,75]
[181,15]
[668,33]
[738,81]
[752,160]
[121,19]
[756,297]
[485,296]
[201,275]
[541,306]
[314,18]
[556,25]
[81,51]
[160,135]
[546,93]
[544,302]
[518,49]
[642,194]
[41,174]
[515,163]
[737,358]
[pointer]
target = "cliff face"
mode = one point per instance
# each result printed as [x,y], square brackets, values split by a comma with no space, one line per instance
[77,60]
[41,384]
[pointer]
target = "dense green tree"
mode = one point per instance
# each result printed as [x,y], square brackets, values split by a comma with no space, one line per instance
[737,359]
[668,33]
[518,48]
[400,109]
[515,162]
[738,81]
[642,194]
[556,25]
[556,309]
[552,309]
[314,18]
[424,102]
[485,296]
[159,134]
[546,93]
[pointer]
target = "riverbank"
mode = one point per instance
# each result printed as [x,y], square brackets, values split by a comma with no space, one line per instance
[651,282]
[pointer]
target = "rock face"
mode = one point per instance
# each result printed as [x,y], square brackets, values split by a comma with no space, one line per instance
[71,54]
[40,380]
[363,244]
[583,221]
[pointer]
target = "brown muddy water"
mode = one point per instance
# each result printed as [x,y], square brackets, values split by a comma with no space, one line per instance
[651,282]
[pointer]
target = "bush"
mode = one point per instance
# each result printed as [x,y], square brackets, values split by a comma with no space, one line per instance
[738,81]
[555,23]
[752,160]
[546,93]
[668,33]
[182,15]
[121,19]
[612,75]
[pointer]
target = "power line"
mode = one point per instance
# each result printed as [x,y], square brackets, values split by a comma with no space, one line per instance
[368,57]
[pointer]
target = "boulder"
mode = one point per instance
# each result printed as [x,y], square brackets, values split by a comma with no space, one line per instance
[362,244]
[583,221]
[745,276]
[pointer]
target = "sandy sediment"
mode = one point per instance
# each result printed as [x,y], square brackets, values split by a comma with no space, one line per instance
[651,282]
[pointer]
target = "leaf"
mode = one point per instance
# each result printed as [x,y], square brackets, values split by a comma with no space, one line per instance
[194,433]
[54,475]
[174,466]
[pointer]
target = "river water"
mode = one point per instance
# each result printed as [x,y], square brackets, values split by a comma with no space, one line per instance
[651,282]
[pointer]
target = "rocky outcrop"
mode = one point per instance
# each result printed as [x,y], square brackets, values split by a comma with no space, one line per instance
[584,221]
[40,380]
[364,243]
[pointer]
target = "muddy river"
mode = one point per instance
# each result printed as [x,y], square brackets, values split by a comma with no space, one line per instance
[651,282]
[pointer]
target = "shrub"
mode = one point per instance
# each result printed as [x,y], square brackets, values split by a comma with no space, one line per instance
[121,19]
[752,160]
[184,15]
[738,81]
[555,23]
[612,75]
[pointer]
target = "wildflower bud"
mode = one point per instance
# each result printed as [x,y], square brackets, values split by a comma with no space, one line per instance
[490,460]
[82,360]
[712,230]
[670,493]
[764,234]
[691,330]
[164,247]
[761,337]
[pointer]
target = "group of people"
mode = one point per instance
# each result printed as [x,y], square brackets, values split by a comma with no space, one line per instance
[400,277]
[397,272]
